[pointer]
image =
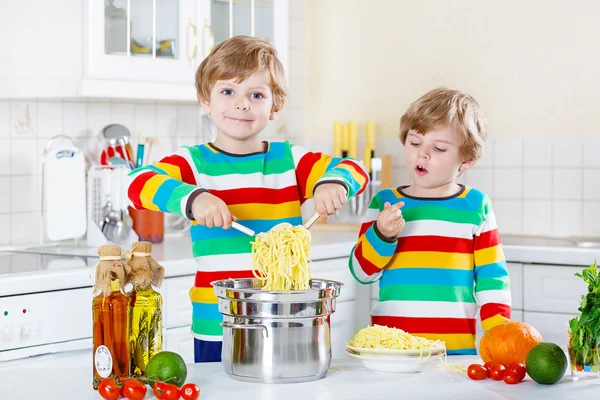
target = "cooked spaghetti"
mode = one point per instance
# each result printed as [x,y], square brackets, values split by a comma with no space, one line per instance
[382,337]
[280,258]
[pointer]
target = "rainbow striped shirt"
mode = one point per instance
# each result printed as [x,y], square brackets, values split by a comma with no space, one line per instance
[447,260]
[261,189]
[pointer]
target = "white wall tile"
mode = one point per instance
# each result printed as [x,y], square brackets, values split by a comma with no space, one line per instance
[591,151]
[591,217]
[49,118]
[299,65]
[5,194]
[537,183]
[5,157]
[23,118]
[187,117]
[481,179]
[509,216]
[537,217]
[591,184]
[298,34]
[567,184]
[567,151]
[537,152]
[566,217]
[166,120]
[296,124]
[508,183]
[392,146]
[299,9]
[144,123]
[98,117]
[25,228]
[122,113]
[298,93]
[4,118]
[75,119]
[487,155]
[5,230]
[25,157]
[508,152]
[25,194]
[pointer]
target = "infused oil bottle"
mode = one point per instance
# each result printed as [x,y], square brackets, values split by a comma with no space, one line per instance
[111,317]
[145,306]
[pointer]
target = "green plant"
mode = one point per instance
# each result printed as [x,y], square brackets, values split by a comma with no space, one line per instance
[585,329]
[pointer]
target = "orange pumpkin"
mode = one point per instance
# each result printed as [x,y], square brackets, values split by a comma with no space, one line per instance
[508,342]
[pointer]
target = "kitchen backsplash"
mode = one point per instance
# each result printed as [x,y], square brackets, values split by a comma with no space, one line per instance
[538,185]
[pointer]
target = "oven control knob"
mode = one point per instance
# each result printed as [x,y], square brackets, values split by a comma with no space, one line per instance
[35,330]
[25,330]
[6,333]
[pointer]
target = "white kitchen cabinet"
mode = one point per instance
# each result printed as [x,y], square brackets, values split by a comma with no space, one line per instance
[515,273]
[177,305]
[552,326]
[336,270]
[129,49]
[180,341]
[551,288]
[343,327]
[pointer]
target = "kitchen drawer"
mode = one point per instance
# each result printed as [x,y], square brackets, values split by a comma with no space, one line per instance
[343,327]
[515,273]
[551,326]
[180,341]
[177,305]
[336,270]
[552,289]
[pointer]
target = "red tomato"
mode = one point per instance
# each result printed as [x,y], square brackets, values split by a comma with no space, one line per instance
[133,389]
[190,391]
[519,368]
[511,377]
[477,372]
[158,388]
[171,392]
[497,372]
[490,365]
[109,389]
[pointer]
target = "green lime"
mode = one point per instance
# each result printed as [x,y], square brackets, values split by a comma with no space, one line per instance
[167,367]
[546,363]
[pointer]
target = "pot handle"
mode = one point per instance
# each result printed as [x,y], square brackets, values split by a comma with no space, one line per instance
[226,324]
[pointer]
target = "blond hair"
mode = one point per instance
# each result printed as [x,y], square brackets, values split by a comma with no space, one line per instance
[444,107]
[239,57]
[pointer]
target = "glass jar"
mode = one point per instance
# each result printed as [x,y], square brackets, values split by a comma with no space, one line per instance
[583,364]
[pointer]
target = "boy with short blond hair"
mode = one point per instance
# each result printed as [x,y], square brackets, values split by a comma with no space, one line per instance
[260,184]
[440,257]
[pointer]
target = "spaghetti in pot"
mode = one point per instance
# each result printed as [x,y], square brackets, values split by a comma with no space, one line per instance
[280,258]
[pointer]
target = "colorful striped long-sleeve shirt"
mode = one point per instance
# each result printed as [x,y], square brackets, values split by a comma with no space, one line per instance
[261,189]
[447,261]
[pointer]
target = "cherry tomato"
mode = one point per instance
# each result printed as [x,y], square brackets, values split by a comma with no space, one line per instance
[190,391]
[490,365]
[511,377]
[171,392]
[158,388]
[519,368]
[133,389]
[497,372]
[477,372]
[109,389]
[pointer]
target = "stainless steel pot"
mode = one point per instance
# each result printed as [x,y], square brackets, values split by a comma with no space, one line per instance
[276,337]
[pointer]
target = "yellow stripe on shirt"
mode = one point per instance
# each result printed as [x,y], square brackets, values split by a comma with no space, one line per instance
[203,295]
[265,211]
[431,259]
[150,189]
[489,255]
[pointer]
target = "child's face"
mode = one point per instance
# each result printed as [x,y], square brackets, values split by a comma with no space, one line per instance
[433,159]
[241,110]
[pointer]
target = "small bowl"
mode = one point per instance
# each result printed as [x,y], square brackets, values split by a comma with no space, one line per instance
[395,364]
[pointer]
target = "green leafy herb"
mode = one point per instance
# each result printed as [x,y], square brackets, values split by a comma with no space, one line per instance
[585,329]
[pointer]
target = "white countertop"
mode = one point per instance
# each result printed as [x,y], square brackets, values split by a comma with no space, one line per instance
[175,255]
[345,380]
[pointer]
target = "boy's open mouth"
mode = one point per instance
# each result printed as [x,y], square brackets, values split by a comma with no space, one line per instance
[421,170]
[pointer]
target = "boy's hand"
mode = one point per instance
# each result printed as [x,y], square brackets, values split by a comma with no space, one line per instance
[390,221]
[328,198]
[210,211]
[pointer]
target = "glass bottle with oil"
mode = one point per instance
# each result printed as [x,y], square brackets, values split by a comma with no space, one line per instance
[110,314]
[145,306]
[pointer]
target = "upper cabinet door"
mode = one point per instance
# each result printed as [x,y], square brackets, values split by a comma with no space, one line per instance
[145,40]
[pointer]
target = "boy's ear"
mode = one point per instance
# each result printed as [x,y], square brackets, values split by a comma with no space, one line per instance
[466,165]
[275,111]
[205,106]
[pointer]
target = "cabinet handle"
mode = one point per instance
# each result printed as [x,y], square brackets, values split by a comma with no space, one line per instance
[211,36]
[191,59]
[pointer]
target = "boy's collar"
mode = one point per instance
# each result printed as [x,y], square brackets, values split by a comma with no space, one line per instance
[264,150]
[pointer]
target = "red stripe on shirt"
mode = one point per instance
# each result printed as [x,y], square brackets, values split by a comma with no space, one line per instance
[135,189]
[367,266]
[365,227]
[435,243]
[257,195]
[358,171]
[488,310]
[427,325]
[204,278]
[187,175]
[487,239]
[303,170]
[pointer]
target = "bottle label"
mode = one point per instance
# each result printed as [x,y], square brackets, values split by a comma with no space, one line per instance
[103,361]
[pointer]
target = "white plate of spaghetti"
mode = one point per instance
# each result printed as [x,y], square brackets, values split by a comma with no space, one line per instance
[396,364]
